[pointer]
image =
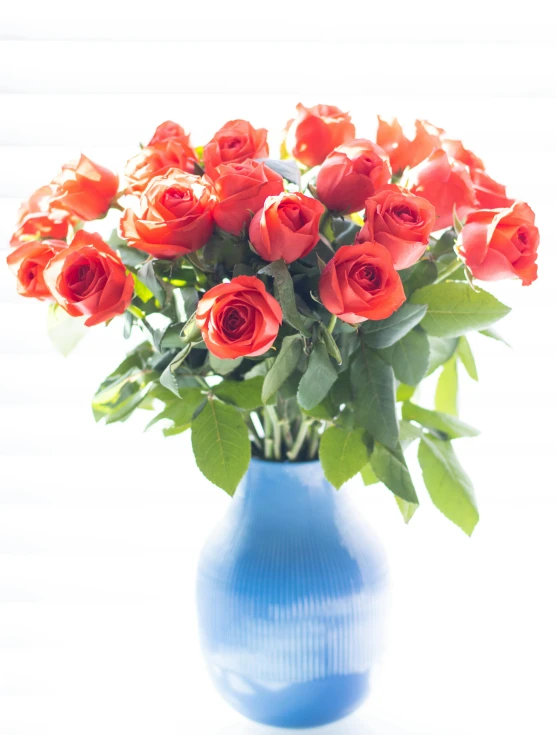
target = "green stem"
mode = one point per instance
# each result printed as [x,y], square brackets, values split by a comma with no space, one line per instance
[267,439]
[449,271]
[300,438]
[332,323]
[254,436]
[275,431]
[314,443]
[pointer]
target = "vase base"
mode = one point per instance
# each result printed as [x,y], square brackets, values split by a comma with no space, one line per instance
[298,705]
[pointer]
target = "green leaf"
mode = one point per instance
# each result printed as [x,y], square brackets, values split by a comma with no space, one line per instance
[170,337]
[131,257]
[454,308]
[285,294]
[221,444]
[342,454]
[331,346]
[404,392]
[222,366]
[64,331]
[467,359]
[245,394]
[373,384]
[391,469]
[288,170]
[409,356]
[406,509]
[446,396]
[318,378]
[493,334]
[408,434]
[385,332]
[441,350]
[148,277]
[449,486]
[443,422]
[368,475]
[282,367]
[168,378]
[421,274]
[179,412]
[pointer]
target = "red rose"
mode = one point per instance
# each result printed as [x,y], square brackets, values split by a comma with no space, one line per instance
[239,318]
[489,193]
[236,141]
[241,189]
[165,131]
[445,183]
[402,151]
[501,243]
[28,262]
[317,131]
[360,283]
[455,149]
[87,278]
[286,227]
[175,217]
[36,220]
[400,221]
[157,158]
[84,189]
[351,174]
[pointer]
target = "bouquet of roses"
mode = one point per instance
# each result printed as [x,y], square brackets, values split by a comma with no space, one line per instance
[291,307]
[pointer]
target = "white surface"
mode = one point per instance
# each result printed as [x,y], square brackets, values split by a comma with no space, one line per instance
[100,527]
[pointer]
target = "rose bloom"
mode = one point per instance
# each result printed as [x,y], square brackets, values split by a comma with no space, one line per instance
[445,183]
[317,131]
[241,189]
[402,151]
[455,149]
[35,219]
[360,283]
[88,278]
[236,141]
[501,243]
[175,216]
[400,221]
[28,262]
[84,189]
[351,174]
[489,193]
[239,318]
[169,148]
[286,227]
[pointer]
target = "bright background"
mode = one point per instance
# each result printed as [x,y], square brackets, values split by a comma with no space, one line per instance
[100,528]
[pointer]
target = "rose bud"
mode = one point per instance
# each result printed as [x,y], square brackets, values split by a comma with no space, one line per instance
[400,221]
[286,227]
[165,131]
[351,174]
[402,151]
[88,278]
[36,220]
[175,216]
[455,149]
[445,183]
[239,318]
[317,131]
[236,141]
[157,158]
[84,189]
[28,262]
[360,283]
[489,193]
[496,244]
[241,189]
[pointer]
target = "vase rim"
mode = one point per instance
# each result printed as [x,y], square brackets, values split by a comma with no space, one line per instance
[285,462]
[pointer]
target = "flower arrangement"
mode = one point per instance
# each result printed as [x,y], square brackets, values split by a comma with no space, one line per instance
[291,307]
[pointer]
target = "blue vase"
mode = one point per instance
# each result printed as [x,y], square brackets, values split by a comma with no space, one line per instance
[290,593]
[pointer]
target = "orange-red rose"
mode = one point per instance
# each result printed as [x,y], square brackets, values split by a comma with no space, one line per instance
[402,151]
[28,262]
[236,141]
[501,243]
[286,227]
[241,189]
[351,174]
[87,278]
[175,216]
[360,283]
[489,193]
[169,148]
[317,131]
[446,183]
[35,219]
[239,318]
[84,189]
[400,221]
[455,149]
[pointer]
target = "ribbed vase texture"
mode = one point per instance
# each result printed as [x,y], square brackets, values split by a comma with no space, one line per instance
[291,590]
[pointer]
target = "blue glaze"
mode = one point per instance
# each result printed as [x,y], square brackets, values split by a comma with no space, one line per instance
[290,589]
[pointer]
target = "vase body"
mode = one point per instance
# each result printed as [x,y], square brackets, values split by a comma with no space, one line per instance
[290,594]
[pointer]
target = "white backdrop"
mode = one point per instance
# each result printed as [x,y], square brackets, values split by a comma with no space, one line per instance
[100,527]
